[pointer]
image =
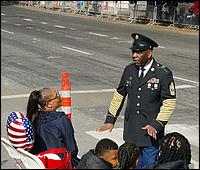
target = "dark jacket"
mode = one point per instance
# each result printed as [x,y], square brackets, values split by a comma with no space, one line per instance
[91,161]
[179,164]
[55,130]
[150,101]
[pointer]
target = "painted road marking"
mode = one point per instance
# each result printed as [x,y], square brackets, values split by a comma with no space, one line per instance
[59,26]
[27,19]
[4,21]
[29,27]
[50,32]
[3,14]
[7,31]
[114,38]
[161,47]
[184,86]
[80,38]
[77,50]
[18,24]
[44,23]
[190,131]
[93,91]
[86,92]
[101,35]
[191,81]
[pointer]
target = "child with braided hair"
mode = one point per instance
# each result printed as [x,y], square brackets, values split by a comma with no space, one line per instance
[128,156]
[174,153]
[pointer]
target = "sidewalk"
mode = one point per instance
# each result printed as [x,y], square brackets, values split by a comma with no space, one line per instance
[122,19]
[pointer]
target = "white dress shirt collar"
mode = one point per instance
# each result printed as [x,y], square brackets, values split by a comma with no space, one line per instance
[147,67]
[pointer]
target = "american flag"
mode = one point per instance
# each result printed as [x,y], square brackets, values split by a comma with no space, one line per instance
[20,131]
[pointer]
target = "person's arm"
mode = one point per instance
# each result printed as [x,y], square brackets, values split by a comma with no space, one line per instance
[168,97]
[68,136]
[115,106]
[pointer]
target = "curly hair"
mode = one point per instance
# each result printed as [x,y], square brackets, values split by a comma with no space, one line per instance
[105,145]
[174,146]
[128,155]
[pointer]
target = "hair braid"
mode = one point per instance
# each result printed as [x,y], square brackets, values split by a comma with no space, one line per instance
[128,155]
[174,146]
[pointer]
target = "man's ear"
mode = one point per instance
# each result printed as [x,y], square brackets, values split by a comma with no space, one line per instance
[149,53]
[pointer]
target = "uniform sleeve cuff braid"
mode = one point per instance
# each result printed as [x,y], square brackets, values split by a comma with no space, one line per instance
[157,125]
[110,119]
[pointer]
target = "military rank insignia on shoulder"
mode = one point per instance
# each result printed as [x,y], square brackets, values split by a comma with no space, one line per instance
[172,89]
[163,67]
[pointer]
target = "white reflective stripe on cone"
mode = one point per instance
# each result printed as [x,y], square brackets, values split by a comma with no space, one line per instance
[66,109]
[65,94]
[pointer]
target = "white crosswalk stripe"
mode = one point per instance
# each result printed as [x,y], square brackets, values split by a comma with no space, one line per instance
[191,132]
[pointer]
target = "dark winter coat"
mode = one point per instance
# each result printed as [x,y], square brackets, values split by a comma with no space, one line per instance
[179,164]
[54,130]
[91,161]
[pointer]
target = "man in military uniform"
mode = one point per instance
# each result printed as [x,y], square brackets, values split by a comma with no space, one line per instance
[151,100]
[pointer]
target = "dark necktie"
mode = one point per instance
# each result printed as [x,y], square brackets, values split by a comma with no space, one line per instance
[142,73]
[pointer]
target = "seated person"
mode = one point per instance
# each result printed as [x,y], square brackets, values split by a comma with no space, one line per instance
[53,128]
[128,156]
[174,153]
[104,156]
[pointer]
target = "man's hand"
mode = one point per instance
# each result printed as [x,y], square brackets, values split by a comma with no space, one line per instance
[106,126]
[150,130]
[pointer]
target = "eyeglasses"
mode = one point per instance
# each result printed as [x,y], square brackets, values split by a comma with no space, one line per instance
[57,96]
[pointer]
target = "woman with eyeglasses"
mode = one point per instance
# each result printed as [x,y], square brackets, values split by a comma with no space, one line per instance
[53,128]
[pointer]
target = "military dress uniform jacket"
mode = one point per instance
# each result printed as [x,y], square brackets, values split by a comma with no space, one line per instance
[150,101]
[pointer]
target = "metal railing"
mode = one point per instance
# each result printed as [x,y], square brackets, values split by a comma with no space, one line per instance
[140,12]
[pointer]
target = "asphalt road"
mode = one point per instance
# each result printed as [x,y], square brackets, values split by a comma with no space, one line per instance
[37,46]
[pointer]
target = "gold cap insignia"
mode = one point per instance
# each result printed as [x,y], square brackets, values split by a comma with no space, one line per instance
[136,37]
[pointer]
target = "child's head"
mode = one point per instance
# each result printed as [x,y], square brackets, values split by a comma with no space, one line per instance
[107,150]
[174,146]
[128,156]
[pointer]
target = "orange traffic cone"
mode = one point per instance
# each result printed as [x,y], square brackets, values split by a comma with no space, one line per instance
[66,94]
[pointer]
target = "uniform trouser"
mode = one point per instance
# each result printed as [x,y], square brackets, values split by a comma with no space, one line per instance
[148,156]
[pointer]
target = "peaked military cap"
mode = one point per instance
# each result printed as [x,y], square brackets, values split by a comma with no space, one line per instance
[142,43]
